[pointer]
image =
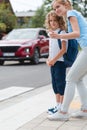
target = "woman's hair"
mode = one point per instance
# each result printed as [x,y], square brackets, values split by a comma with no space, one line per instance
[67,3]
[59,19]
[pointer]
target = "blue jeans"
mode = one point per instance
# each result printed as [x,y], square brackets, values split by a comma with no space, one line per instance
[58,74]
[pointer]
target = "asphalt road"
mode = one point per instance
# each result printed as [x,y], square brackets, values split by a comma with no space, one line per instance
[26,75]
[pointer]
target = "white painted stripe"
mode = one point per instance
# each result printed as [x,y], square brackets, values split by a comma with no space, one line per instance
[17,115]
[12,91]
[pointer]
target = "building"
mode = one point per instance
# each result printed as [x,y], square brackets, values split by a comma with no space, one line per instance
[29,13]
[22,14]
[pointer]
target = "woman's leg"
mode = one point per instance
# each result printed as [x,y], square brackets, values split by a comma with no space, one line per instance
[82,89]
[77,71]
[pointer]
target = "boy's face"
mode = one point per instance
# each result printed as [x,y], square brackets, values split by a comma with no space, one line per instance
[59,9]
[53,23]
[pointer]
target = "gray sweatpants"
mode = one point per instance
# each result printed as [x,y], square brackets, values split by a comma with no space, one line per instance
[75,79]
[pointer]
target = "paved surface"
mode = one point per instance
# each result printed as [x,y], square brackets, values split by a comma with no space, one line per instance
[29,112]
[42,123]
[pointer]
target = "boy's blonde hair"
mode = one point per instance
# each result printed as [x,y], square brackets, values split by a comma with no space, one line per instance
[59,19]
[67,3]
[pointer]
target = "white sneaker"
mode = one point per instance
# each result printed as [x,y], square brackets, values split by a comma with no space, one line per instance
[58,116]
[79,114]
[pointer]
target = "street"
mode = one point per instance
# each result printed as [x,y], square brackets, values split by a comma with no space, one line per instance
[26,75]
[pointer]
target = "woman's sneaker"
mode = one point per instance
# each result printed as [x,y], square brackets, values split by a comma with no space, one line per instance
[54,109]
[59,116]
[79,114]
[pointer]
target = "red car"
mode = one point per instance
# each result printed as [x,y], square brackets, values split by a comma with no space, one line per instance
[24,44]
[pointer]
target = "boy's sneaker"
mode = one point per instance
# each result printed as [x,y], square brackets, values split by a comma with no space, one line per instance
[79,114]
[59,116]
[54,109]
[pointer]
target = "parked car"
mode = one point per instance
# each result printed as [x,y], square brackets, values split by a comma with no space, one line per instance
[24,44]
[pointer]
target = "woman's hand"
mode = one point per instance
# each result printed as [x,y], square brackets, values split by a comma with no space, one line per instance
[54,35]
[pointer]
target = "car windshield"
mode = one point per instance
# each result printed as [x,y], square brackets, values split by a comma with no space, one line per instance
[22,34]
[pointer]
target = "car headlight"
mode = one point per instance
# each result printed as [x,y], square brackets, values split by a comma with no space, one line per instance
[27,50]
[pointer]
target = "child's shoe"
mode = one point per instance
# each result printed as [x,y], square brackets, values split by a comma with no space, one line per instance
[54,109]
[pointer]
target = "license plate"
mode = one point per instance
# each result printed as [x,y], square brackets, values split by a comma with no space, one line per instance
[8,54]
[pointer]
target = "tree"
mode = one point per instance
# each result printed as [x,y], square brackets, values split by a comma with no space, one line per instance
[47,4]
[39,18]
[75,4]
[7,17]
[85,8]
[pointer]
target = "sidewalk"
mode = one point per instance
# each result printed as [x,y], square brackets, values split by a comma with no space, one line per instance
[28,112]
[42,123]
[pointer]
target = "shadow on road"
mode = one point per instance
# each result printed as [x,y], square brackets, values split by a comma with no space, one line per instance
[22,64]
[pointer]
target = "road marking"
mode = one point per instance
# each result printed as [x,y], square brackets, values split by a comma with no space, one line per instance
[17,115]
[12,91]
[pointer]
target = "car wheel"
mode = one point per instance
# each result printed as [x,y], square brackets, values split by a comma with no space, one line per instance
[1,62]
[35,59]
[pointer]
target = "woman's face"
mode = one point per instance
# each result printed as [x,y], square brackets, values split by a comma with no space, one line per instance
[53,23]
[59,9]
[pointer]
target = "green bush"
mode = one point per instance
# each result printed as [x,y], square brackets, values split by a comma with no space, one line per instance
[2,27]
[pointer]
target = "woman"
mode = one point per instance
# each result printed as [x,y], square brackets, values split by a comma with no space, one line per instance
[77,28]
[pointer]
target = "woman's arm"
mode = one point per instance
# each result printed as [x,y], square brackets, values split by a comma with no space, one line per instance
[75,34]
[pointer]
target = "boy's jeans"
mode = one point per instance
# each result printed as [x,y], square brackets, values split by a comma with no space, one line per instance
[74,79]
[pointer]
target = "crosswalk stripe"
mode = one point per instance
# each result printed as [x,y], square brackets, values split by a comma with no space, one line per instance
[12,91]
[17,115]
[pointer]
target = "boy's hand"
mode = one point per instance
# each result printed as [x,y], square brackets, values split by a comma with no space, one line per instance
[50,62]
[47,62]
